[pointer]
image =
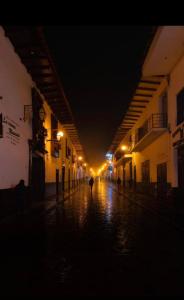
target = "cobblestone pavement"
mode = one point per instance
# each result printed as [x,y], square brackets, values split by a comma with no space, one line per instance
[99,245]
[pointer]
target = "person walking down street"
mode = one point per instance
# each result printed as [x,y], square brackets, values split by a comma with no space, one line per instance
[91,182]
[119,183]
[20,190]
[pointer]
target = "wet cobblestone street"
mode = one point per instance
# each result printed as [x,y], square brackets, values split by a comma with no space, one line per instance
[102,244]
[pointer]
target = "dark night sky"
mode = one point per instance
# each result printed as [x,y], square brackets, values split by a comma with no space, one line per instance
[99,67]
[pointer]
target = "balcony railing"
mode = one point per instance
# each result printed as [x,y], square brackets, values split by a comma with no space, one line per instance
[155,121]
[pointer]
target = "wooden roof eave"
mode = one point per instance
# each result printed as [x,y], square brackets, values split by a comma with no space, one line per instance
[27,42]
[145,91]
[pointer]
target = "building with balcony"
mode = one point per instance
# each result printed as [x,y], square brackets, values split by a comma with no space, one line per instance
[152,128]
[33,110]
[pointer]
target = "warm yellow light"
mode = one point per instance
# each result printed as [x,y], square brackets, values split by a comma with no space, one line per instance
[80,158]
[123,147]
[128,155]
[85,165]
[91,169]
[105,165]
[60,134]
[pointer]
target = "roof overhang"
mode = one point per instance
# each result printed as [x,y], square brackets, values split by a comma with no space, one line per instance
[144,93]
[30,45]
[165,51]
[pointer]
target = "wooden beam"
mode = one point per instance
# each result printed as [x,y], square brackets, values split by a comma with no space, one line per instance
[140,106]
[143,95]
[33,57]
[49,90]
[132,115]
[46,84]
[36,67]
[136,111]
[53,100]
[52,95]
[150,82]
[142,101]
[42,75]
[146,88]
[134,120]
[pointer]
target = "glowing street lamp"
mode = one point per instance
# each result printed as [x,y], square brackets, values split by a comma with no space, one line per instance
[59,135]
[80,158]
[124,147]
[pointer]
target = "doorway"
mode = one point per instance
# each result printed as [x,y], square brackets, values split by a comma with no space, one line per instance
[124,177]
[181,167]
[135,177]
[38,178]
[162,179]
[63,179]
[130,172]
[57,182]
[68,179]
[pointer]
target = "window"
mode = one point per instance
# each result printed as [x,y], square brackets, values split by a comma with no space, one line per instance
[180,107]
[146,171]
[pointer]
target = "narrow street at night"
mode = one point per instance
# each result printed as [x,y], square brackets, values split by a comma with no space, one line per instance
[91,160]
[92,245]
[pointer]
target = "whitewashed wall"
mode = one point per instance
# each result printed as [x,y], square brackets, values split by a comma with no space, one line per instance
[15,90]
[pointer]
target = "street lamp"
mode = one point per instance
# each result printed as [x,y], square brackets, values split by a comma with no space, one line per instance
[123,147]
[59,135]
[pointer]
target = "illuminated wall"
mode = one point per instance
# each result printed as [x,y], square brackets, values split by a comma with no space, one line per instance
[15,90]
[175,86]
[52,163]
[158,151]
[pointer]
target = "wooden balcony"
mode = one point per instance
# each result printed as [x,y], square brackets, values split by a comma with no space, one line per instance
[152,128]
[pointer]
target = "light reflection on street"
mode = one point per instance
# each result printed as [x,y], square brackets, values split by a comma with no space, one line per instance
[95,245]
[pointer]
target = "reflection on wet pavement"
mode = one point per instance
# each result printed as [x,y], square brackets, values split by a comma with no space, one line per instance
[94,245]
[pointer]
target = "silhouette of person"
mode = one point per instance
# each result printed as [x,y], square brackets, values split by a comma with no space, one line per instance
[20,195]
[91,182]
[118,183]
